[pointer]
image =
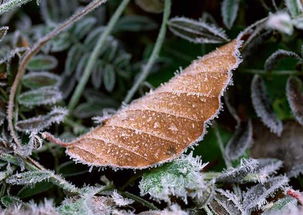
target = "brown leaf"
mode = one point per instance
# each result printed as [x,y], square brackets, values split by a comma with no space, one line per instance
[161,125]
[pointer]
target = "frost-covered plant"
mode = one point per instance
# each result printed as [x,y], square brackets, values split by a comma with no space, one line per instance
[181,178]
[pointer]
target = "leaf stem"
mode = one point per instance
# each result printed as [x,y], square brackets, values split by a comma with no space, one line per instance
[34,50]
[95,54]
[147,68]
[10,5]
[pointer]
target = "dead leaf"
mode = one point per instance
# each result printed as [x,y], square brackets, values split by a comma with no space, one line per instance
[161,125]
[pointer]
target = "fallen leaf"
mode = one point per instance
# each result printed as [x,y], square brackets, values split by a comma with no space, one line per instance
[161,125]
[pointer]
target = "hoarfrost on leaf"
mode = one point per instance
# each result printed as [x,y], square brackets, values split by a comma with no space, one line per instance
[180,178]
[196,31]
[262,106]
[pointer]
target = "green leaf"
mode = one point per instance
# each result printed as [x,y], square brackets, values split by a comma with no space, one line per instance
[37,188]
[42,62]
[295,7]
[8,201]
[229,10]
[135,23]
[41,96]
[73,57]
[109,78]
[69,169]
[36,80]
[152,6]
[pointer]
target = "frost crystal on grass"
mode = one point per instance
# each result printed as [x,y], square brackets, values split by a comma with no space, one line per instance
[180,178]
[262,106]
[196,31]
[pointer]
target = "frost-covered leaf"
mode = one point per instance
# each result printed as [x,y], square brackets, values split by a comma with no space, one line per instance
[29,177]
[236,175]
[295,7]
[41,122]
[11,54]
[267,167]
[109,78]
[227,203]
[19,208]
[196,31]
[60,42]
[152,6]
[42,62]
[280,21]
[295,171]
[84,26]
[181,178]
[74,55]
[286,205]
[3,31]
[135,23]
[229,11]
[273,59]
[36,80]
[295,97]
[41,96]
[262,106]
[256,196]
[173,209]
[120,200]
[240,141]
[97,73]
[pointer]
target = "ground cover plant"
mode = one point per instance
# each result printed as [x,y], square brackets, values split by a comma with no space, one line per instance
[151,107]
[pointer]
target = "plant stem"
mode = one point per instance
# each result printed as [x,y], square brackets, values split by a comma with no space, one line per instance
[10,5]
[154,55]
[95,54]
[34,50]
[273,72]
[221,146]
[139,200]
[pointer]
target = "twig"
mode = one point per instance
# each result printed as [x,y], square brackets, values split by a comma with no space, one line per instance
[34,50]
[95,54]
[10,5]
[154,55]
